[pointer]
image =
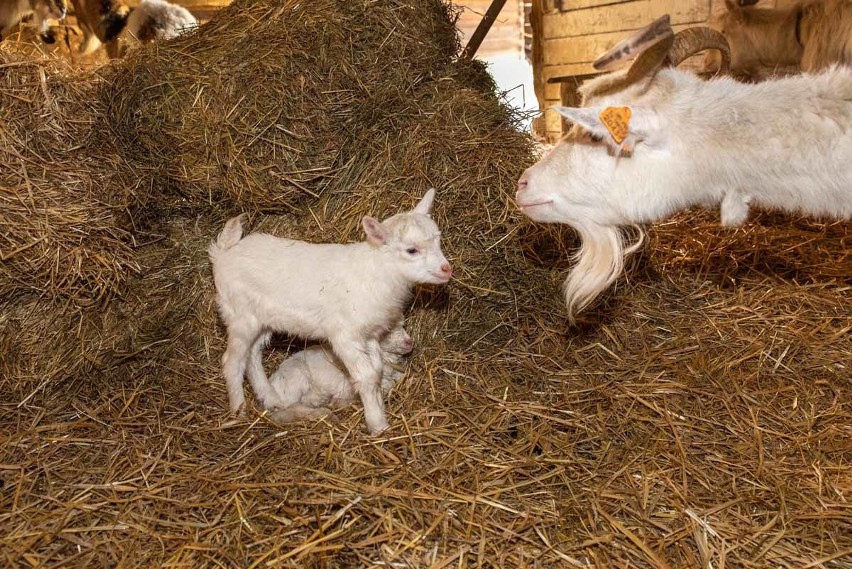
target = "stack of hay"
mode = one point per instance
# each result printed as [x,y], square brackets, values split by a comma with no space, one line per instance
[698,416]
[310,115]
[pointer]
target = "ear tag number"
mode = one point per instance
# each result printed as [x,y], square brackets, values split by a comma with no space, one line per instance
[617,122]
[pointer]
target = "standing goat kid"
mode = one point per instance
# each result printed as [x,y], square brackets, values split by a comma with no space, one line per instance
[313,381]
[681,142]
[350,295]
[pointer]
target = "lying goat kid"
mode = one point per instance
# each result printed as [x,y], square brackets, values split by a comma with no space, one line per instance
[350,295]
[313,381]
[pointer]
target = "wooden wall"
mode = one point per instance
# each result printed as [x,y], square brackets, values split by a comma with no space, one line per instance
[505,35]
[574,32]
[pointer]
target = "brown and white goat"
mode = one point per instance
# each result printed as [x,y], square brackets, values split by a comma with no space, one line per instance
[101,21]
[652,140]
[13,11]
[809,36]
[118,27]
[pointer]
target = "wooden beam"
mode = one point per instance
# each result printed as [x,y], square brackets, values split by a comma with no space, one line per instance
[482,29]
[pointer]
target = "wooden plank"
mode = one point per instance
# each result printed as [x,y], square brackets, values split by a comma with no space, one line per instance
[551,90]
[625,16]
[552,119]
[583,49]
[482,29]
[570,5]
[505,33]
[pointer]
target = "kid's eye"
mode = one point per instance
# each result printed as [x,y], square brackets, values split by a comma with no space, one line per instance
[597,137]
[412,251]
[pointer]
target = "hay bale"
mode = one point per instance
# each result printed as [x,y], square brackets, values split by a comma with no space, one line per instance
[698,415]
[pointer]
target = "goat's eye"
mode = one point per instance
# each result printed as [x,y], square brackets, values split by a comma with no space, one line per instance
[596,137]
[412,251]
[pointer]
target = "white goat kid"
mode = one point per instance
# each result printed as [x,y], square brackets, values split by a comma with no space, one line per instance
[350,295]
[119,27]
[13,11]
[155,20]
[784,144]
[313,381]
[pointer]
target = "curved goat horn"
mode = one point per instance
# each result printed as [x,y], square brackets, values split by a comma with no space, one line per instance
[693,40]
[635,44]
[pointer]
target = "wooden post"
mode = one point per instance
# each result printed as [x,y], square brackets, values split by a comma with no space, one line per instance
[482,29]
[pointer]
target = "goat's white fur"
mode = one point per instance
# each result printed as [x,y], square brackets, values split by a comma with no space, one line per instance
[350,295]
[155,20]
[118,27]
[313,381]
[784,144]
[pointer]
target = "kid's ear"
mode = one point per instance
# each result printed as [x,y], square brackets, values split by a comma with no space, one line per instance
[424,206]
[376,233]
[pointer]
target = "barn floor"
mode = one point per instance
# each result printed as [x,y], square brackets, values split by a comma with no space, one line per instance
[697,416]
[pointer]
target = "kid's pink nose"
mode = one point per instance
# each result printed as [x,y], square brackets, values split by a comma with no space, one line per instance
[447,269]
[408,344]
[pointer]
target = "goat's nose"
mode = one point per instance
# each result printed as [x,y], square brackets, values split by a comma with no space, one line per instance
[407,344]
[447,269]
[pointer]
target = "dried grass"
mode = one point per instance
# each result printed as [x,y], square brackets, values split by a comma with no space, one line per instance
[697,417]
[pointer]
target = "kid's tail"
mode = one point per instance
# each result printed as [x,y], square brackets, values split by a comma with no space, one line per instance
[230,236]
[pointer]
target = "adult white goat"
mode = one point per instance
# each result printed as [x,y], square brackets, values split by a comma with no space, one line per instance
[313,381]
[13,11]
[810,35]
[350,295]
[782,144]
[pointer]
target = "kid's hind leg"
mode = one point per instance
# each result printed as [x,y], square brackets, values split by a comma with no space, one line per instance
[263,389]
[234,362]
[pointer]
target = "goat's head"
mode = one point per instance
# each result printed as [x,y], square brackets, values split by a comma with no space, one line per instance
[578,183]
[397,342]
[759,39]
[44,10]
[413,240]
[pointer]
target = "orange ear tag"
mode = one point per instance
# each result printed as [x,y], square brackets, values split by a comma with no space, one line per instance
[617,122]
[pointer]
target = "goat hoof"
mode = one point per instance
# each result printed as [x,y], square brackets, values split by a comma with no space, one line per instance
[379,429]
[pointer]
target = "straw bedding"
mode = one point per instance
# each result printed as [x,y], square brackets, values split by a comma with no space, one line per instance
[696,417]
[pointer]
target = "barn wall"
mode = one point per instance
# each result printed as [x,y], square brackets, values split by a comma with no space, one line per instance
[574,32]
[505,35]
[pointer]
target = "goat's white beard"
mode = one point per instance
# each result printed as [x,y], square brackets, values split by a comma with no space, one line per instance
[600,261]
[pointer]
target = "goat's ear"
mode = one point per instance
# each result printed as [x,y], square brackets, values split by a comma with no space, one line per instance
[377,234]
[424,206]
[588,118]
[735,8]
[630,125]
